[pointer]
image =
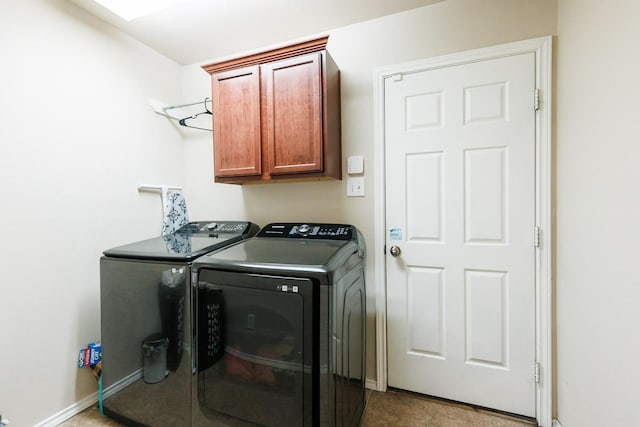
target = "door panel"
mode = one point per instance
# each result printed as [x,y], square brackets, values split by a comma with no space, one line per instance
[236,114]
[460,204]
[294,114]
[425,309]
[485,198]
[424,196]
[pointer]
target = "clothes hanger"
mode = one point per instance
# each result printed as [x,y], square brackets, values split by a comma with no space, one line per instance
[183,122]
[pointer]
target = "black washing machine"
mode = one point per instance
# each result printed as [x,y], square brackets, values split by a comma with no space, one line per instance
[280,329]
[146,322]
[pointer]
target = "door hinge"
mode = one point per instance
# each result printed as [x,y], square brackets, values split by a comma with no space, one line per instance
[536,373]
[536,236]
[536,99]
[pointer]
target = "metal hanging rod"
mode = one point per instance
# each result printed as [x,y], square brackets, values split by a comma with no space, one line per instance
[171,107]
[162,110]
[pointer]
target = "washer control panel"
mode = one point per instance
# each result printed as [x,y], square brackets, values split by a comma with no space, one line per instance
[236,227]
[307,231]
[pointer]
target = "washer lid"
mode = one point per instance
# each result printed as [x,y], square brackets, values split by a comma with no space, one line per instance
[260,251]
[189,242]
[284,248]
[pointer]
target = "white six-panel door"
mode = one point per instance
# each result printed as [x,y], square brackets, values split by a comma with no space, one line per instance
[460,208]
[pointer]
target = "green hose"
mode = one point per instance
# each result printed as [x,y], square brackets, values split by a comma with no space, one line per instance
[100,395]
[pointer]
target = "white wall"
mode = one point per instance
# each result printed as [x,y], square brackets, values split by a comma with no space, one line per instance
[598,207]
[76,137]
[446,27]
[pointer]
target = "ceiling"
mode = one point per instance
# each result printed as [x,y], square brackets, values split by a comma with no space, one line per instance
[201,30]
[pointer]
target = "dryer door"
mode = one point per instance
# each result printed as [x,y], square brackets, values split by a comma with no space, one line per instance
[255,349]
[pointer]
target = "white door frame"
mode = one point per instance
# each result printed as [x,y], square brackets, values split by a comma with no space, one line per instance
[543,192]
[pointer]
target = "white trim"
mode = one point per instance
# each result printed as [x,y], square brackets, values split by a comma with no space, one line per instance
[556,423]
[542,49]
[89,401]
[544,253]
[371,384]
[379,240]
[70,411]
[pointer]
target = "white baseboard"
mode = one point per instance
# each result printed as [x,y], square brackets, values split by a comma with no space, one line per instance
[89,401]
[70,411]
[556,423]
[371,384]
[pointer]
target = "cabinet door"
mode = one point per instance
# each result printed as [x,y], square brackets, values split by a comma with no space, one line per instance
[236,122]
[293,114]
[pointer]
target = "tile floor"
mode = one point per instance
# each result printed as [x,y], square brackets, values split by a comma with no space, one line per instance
[393,408]
[398,408]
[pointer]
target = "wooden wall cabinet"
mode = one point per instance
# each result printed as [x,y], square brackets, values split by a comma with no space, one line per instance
[276,115]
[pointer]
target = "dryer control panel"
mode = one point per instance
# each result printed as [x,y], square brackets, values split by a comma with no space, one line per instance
[307,231]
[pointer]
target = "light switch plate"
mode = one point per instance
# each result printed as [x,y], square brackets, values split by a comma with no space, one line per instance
[355,164]
[355,186]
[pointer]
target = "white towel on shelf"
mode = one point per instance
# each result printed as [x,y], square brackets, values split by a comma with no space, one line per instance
[175,213]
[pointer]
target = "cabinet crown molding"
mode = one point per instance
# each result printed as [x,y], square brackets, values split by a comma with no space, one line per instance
[301,48]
